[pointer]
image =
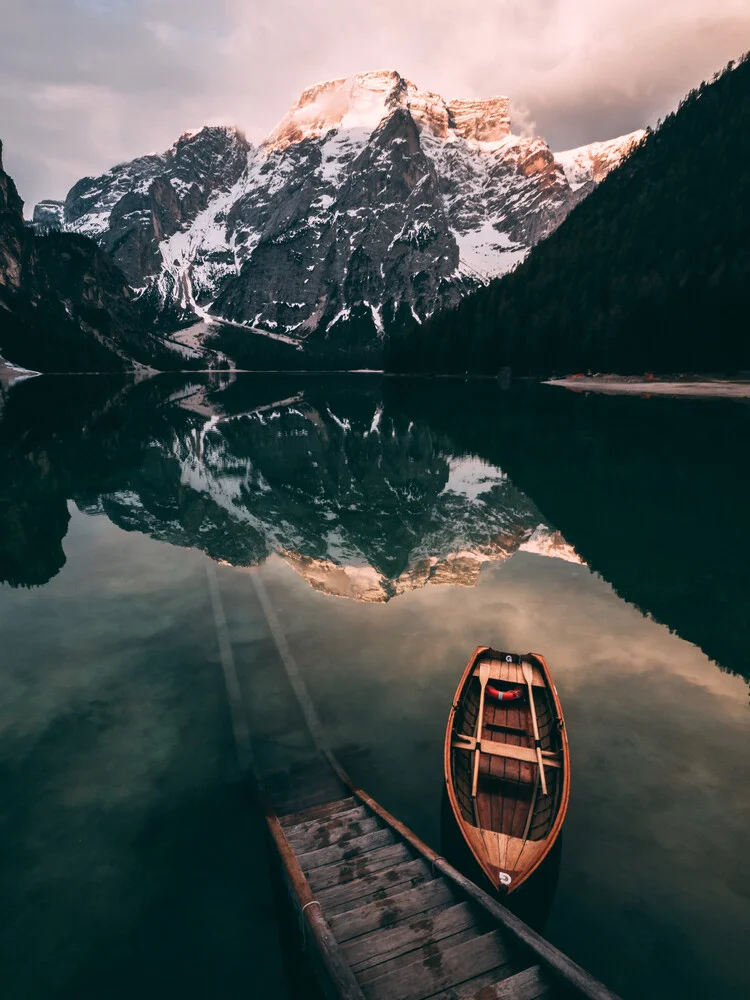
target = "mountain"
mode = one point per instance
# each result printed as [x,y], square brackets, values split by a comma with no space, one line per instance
[651,272]
[48,215]
[370,205]
[64,304]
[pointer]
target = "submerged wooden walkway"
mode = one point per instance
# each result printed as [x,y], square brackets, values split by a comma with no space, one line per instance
[389,918]
[392,919]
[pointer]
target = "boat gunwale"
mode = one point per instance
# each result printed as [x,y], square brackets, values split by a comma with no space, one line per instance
[562,809]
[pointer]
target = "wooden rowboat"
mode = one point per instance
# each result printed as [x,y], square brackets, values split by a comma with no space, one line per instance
[495,781]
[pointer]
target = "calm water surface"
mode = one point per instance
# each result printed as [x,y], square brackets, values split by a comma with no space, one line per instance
[394,525]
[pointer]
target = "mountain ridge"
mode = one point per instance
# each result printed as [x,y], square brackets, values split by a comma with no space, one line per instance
[64,303]
[371,204]
[650,273]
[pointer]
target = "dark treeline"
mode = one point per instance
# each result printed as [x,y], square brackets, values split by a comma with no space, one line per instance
[650,272]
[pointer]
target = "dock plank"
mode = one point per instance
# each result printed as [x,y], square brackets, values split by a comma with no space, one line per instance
[345,851]
[380,886]
[339,819]
[382,859]
[383,945]
[445,967]
[334,832]
[529,984]
[422,956]
[390,912]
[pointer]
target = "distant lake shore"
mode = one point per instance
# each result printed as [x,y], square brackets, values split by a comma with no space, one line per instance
[10,373]
[682,386]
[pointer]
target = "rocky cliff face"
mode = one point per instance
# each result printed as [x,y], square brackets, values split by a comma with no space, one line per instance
[15,242]
[49,215]
[64,303]
[369,203]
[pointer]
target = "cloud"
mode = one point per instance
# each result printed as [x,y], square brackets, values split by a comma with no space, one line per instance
[87,83]
[521,121]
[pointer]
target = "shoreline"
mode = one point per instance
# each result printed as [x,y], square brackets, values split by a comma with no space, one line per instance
[624,385]
[10,374]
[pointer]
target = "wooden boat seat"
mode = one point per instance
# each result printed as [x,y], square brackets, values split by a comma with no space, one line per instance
[512,673]
[526,754]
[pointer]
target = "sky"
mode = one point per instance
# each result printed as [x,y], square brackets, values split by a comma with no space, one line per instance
[85,84]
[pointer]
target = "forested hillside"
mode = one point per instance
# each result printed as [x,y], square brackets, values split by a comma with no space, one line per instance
[650,272]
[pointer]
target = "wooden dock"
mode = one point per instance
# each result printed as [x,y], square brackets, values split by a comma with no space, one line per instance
[391,919]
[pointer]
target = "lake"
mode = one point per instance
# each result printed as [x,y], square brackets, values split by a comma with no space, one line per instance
[392,525]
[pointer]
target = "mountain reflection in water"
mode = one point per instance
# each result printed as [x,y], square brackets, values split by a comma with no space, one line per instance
[122,822]
[362,501]
[370,486]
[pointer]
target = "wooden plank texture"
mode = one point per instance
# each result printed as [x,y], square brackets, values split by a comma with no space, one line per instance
[333,832]
[529,984]
[379,886]
[345,851]
[390,912]
[444,968]
[494,749]
[319,812]
[382,945]
[511,672]
[424,955]
[297,830]
[382,859]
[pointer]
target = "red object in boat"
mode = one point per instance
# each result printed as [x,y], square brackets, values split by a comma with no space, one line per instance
[513,694]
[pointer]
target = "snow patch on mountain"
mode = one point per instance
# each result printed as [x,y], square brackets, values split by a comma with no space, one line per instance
[370,196]
[591,164]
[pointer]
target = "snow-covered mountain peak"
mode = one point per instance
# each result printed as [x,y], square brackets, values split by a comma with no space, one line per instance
[362,102]
[592,163]
[357,102]
[211,133]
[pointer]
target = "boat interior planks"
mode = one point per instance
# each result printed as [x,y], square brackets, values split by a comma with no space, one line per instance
[392,919]
[508,776]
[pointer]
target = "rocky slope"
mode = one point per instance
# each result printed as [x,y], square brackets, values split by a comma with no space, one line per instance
[48,215]
[650,273]
[372,203]
[64,303]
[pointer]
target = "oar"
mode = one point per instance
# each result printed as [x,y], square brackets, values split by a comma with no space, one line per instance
[528,676]
[484,676]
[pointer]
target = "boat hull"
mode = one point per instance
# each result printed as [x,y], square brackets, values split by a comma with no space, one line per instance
[510,825]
